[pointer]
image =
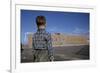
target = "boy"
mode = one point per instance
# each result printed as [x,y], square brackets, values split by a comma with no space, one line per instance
[42,42]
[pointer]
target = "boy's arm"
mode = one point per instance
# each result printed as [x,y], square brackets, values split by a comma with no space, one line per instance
[33,41]
[50,49]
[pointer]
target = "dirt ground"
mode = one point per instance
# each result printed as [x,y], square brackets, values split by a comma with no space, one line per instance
[62,53]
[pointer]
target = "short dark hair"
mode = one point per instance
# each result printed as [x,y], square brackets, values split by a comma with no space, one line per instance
[40,20]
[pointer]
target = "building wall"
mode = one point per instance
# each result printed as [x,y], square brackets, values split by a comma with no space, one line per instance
[63,40]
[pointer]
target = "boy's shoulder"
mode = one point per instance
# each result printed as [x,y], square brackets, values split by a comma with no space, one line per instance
[46,32]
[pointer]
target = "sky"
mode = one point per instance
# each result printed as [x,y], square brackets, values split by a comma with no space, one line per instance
[63,22]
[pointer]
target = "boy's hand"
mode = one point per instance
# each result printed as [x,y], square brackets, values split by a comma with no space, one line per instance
[51,58]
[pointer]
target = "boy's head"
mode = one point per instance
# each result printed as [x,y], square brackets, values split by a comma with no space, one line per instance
[41,21]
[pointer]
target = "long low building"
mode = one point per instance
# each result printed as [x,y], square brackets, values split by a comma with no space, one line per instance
[66,39]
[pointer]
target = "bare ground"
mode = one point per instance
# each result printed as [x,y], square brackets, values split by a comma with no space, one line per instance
[63,53]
